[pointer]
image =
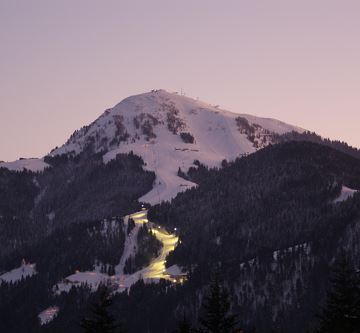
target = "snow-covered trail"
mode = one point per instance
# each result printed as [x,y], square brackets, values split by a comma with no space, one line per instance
[130,245]
[120,281]
[156,270]
[157,267]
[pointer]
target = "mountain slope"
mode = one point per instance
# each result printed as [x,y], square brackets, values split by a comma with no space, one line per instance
[73,189]
[272,224]
[271,221]
[169,132]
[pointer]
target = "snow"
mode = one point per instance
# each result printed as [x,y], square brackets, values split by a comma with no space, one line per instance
[345,194]
[216,133]
[25,270]
[272,125]
[156,270]
[130,245]
[31,164]
[91,278]
[120,281]
[174,270]
[48,315]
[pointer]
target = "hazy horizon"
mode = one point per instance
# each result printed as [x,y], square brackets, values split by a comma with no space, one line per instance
[63,63]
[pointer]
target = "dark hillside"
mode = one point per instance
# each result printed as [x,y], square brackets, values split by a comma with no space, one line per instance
[270,222]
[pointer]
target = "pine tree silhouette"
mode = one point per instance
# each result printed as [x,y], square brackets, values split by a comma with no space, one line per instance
[101,320]
[216,316]
[342,309]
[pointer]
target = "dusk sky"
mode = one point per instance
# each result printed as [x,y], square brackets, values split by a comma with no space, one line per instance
[62,63]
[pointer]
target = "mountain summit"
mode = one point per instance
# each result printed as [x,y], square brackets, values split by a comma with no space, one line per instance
[170,131]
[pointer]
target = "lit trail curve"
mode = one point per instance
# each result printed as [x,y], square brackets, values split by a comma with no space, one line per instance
[156,269]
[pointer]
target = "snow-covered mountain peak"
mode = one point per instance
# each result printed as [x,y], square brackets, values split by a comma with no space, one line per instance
[170,131]
[142,117]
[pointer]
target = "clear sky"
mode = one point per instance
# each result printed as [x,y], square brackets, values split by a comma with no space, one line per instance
[63,62]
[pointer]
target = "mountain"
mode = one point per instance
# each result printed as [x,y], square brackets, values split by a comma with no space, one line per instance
[170,131]
[107,167]
[265,205]
[270,223]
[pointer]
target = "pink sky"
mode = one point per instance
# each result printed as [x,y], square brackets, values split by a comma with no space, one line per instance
[63,62]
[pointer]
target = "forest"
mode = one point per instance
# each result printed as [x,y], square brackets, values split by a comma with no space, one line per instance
[268,224]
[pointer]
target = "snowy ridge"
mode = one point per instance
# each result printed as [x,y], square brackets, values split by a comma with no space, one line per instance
[170,131]
[31,164]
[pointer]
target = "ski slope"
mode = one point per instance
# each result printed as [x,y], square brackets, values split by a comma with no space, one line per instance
[150,125]
[130,245]
[120,281]
[156,270]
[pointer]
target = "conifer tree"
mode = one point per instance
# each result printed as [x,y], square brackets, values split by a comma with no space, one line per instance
[216,316]
[101,320]
[342,309]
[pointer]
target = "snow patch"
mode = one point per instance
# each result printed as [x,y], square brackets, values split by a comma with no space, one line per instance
[48,315]
[31,164]
[174,270]
[92,279]
[22,272]
[345,194]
